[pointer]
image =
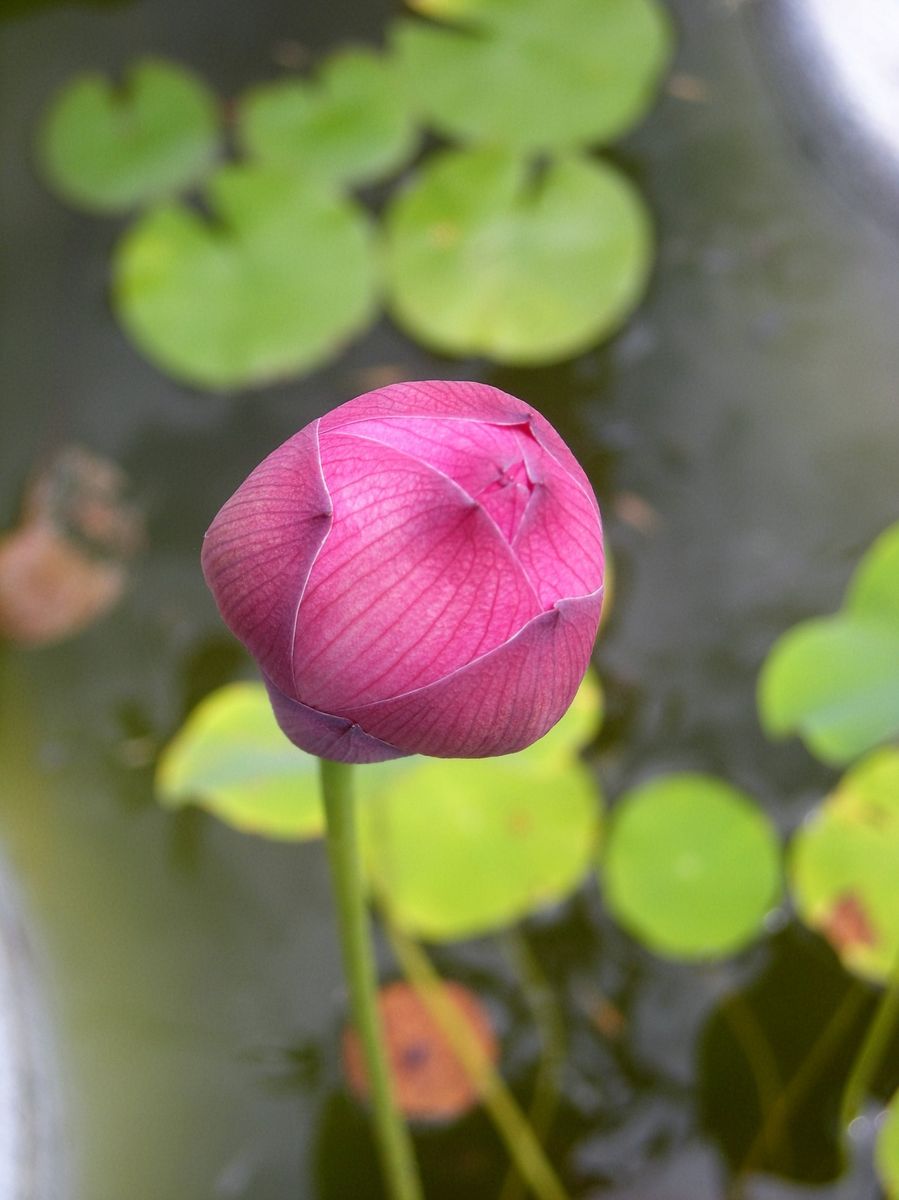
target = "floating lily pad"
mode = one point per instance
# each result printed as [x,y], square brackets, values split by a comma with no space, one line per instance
[461,847]
[231,758]
[486,255]
[535,75]
[887,1154]
[691,866]
[279,279]
[351,125]
[111,148]
[844,867]
[835,680]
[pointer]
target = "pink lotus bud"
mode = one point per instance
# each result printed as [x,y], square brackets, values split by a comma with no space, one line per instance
[417,572]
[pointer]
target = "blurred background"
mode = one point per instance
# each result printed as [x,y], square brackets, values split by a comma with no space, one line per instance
[729,383]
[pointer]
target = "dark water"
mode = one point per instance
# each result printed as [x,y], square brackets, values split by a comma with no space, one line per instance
[751,406]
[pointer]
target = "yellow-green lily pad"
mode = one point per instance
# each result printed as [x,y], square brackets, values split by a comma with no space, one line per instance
[486,255]
[691,866]
[281,277]
[844,866]
[535,75]
[887,1153]
[351,124]
[835,680]
[110,148]
[231,758]
[458,848]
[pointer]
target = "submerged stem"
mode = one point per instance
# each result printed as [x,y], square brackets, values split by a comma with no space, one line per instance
[392,1136]
[551,1026]
[510,1122]
[870,1056]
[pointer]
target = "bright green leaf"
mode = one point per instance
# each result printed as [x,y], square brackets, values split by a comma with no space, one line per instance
[874,590]
[844,866]
[536,75]
[485,255]
[279,280]
[231,758]
[835,680]
[691,866]
[349,126]
[111,148]
[460,847]
[887,1154]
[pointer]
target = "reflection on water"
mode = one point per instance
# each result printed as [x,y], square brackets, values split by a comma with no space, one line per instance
[32,1153]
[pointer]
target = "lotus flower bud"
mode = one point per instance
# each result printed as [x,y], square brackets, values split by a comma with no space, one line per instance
[417,572]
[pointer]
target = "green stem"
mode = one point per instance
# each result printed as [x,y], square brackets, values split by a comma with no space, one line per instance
[870,1056]
[392,1136]
[762,1065]
[776,1121]
[551,1026]
[510,1122]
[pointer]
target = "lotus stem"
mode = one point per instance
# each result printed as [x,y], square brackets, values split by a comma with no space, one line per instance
[879,1034]
[509,1121]
[391,1134]
[550,1023]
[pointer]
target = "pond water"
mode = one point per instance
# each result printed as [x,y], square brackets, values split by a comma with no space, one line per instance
[742,434]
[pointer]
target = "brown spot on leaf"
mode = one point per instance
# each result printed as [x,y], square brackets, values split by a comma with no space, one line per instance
[847,924]
[431,1083]
[521,823]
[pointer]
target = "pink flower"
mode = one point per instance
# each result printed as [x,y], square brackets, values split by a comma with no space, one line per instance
[417,572]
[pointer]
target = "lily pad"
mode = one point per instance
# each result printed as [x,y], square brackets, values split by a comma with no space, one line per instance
[691,866]
[887,1153]
[231,758]
[835,680]
[278,280]
[535,75]
[351,125]
[109,148]
[486,255]
[458,848]
[844,866]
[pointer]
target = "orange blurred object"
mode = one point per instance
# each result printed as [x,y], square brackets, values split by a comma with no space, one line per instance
[65,564]
[430,1082]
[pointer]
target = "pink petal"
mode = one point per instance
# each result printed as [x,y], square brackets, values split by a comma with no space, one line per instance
[551,442]
[486,460]
[501,703]
[413,582]
[434,398]
[559,539]
[259,550]
[324,734]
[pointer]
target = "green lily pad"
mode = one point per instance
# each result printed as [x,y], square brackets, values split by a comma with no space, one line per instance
[231,758]
[278,280]
[887,1153]
[487,256]
[835,680]
[461,847]
[111,148]
[535,75]
[351,125]
[691,866]
[844,866]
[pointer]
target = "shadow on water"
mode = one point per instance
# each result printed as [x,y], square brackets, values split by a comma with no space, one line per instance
[742,434]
